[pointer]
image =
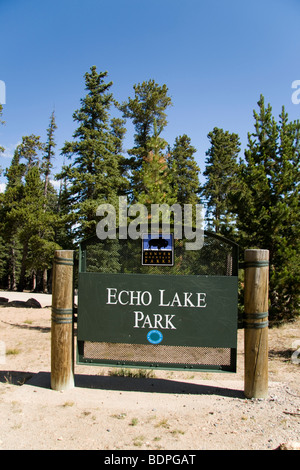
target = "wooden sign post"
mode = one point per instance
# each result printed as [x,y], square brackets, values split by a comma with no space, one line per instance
[256,320]
[256,323]
[62,349]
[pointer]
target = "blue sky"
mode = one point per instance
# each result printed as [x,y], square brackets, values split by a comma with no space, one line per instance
[215,56]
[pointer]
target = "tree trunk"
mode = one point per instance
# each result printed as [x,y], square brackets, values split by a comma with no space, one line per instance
[12,267]
[45,281]
[23,268]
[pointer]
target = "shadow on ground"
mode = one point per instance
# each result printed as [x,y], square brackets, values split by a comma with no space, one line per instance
[125,384]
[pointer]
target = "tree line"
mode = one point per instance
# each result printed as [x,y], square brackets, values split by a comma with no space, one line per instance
[253,199]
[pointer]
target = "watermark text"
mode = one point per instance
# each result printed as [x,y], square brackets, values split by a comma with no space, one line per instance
[133,221]
[2,92]
[296,354]
[296,93]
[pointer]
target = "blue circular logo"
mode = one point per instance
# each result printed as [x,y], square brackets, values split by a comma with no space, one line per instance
[154,337]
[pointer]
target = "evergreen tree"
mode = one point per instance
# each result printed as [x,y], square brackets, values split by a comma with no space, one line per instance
[221,173]
[64,233]
[49,152]
[43,247]
[10,226]
[35,227]
[155,175]
[118,132]
[95,175]
[29,150]
[28,221]
[185,171]
[268,205]
[147,107]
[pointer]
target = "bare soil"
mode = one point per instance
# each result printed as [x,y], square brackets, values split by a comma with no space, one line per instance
[168,411]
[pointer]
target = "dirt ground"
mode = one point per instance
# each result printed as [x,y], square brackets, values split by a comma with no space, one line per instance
[168,411]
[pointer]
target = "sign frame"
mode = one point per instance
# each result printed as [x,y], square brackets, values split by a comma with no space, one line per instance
[163,344]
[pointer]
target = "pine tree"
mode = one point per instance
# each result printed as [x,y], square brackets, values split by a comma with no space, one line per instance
[29,150]
[49,152]
[28,220]
[268,205]
[14,193]
[64,233]
[155,175]
[221,174]
[118,132]
[146,110]
[185,171]
[34,224]
[10,226]
[95,174]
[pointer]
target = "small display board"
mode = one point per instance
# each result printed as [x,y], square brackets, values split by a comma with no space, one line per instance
[157,250]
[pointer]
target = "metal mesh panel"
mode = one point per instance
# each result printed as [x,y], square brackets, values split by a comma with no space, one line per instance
[217,257]
[156,355]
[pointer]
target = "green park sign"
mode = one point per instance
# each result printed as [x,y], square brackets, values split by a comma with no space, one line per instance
[183,310]
[157,317]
